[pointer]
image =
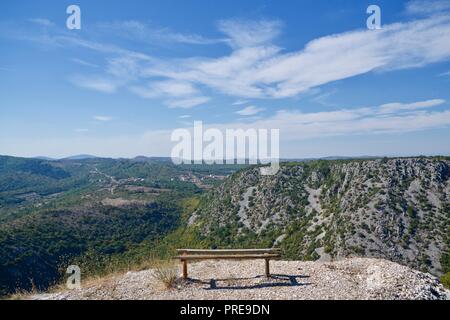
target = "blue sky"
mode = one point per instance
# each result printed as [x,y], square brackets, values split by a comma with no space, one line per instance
[137,70]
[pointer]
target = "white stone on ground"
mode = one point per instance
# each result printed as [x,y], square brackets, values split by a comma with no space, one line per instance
[357,278]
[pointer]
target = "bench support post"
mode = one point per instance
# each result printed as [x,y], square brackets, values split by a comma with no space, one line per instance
[185,270]
[267,268]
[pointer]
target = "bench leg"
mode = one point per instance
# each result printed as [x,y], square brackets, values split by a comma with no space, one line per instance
[185,272]
[267,268]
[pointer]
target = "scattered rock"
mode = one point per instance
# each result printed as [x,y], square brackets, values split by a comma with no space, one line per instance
[358,278]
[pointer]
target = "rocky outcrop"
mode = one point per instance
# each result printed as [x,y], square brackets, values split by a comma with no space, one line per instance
[397,209]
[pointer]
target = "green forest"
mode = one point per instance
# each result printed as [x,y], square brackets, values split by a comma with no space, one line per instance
[96,213]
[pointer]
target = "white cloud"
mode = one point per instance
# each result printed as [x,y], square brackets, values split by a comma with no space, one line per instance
[64,40]
[229,75]
[177,94]
[296,129]
[257,68]
[103,118]
[396,106]
[84,63]
[165,88]
[249,111]
[239,102]
[42,21]
[427,6]
[264,71]
[96,83]
[187,103]
[296,125]
[139,31]
[247,33]
[350,54]
[323,98]
[185,116]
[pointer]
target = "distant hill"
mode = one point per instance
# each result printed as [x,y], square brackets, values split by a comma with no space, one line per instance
[80,157]
[44,158]
[151,159]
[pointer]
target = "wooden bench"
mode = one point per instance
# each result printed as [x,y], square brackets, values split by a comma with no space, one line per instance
[186,255]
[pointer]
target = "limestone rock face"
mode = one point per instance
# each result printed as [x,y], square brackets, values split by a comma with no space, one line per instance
[397,209]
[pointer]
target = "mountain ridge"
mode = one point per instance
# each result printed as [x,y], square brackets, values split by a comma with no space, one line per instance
[387,208]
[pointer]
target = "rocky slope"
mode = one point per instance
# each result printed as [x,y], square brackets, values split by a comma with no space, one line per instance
[357,278]
[397,209]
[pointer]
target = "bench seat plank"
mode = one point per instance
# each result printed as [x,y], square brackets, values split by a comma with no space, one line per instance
[228,256]
[229,251]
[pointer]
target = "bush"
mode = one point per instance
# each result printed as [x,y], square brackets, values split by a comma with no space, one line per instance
[166,274]
[445,280]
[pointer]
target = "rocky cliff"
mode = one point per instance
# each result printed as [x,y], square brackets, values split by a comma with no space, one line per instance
[396,209]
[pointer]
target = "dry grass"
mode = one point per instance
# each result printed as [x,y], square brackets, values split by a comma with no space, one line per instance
[21,294]
[166,273]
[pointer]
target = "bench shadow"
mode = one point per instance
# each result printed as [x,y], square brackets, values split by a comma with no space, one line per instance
[290,281]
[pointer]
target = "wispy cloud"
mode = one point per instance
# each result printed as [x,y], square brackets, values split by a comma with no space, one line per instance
[165,88]
[239,102]
[257,68]
[297,125]
[187,103]
[97,83]
[84,63]
[396,106]
[263,71]
[176,94]
[249,111]
[248,33]
[426,7]
[139,31]
[444,74]
[103,118]
[42,22]
[322,98]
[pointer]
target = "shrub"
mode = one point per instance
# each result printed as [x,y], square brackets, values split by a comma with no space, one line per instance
[445,280]
[166,274]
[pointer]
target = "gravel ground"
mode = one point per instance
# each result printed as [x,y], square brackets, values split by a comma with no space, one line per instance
[358,278]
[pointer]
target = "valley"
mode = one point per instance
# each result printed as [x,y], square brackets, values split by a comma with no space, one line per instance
[107,215]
